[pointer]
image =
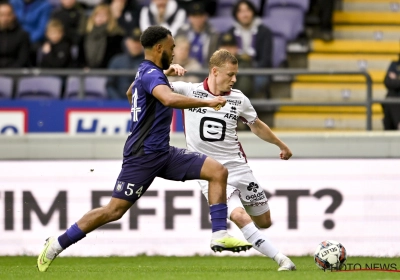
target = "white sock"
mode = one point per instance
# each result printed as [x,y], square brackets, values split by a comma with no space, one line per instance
[259,240]
[279,257]
[54,250]
[219,234]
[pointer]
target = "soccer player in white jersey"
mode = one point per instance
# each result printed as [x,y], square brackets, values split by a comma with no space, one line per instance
[213,133]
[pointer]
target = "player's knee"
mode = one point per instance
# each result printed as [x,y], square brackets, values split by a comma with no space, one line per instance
[221,172]
[240,217]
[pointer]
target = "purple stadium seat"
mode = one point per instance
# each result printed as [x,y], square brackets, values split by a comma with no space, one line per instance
[279,50]
[257,3]
[94,88]
[39,88]
[304,5]
[224,7]
[221,24]
[292,14]
[224,10]
[6,85]
[281,27]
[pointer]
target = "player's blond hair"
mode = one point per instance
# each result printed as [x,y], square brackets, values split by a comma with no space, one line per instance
[220,58]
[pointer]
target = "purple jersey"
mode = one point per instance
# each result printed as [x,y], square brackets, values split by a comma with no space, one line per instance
[150,119]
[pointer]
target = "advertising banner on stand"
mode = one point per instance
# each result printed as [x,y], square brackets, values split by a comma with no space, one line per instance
[73,117]
[352,201]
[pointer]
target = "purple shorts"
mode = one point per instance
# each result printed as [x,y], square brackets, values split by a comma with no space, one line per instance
[138,173]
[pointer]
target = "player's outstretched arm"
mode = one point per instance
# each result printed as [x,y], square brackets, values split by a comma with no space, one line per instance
[171,99]
[175,70]
[263,131]
[129,94]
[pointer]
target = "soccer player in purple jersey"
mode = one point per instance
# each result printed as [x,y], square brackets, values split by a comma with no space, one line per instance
[147,153]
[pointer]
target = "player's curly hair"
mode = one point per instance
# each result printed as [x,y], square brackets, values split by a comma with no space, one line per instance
[153,35]
[220,57]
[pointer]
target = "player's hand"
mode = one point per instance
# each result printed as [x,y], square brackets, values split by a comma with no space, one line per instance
[217,103]
[392,75]
[175,70]
[285,153]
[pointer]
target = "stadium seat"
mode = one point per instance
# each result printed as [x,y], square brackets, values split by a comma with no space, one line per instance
[279,51]
[280,26]
[46,87]
[6,85]
[377,76]
[367,32]
[302,4]
[221,24]
[355,46]
[224,8]
[350,62]
[366,17]
[293,14]
[94,88]
[334,92]
[257,3]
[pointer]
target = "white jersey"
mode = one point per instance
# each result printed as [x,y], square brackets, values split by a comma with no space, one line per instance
[213,132]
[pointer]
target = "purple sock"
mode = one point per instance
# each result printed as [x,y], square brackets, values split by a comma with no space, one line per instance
[71,236]
[219,213]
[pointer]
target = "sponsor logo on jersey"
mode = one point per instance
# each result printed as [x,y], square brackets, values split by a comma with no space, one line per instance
[198,110]
[231,116]
[233,109]
[199,94]
[234,102]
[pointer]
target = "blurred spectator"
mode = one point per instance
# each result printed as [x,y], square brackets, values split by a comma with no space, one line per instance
[210,5]
[73,18]
[202,37]
[14,41]
[162,12]
[181,51]
[244,83]
[391,120]
[254,41]
[103,38]
[56,50]
[126,12]
[324,9]
[33,16]
[133,56]
[89,4]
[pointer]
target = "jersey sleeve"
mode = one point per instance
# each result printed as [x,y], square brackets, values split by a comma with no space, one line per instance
[248,115]
[182,88]
[153,79]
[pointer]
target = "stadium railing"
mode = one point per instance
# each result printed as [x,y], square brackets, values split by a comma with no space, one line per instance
[277,74]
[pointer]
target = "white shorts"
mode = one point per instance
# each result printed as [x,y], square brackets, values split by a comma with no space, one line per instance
[242,191]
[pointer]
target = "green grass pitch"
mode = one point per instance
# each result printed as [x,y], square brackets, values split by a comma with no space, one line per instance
[184,268]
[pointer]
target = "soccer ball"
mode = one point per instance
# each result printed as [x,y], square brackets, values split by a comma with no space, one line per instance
[330,254]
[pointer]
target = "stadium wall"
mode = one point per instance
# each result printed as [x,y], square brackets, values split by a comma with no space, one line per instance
[354,201]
